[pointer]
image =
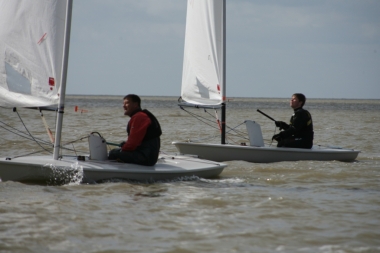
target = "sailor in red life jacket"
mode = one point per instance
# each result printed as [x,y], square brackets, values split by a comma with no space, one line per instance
[143,143]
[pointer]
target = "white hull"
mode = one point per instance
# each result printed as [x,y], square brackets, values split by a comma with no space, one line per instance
[226,152]
[44,169]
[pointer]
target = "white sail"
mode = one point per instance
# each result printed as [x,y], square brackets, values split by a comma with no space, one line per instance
[31,52]
[202,77]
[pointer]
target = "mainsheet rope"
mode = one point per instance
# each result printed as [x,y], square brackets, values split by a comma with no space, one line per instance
[27,135]
[15,110]
[203,119]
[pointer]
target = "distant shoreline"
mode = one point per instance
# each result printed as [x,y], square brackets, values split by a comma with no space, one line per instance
[230,98]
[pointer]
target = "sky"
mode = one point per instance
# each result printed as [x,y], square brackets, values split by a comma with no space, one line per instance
[322,48]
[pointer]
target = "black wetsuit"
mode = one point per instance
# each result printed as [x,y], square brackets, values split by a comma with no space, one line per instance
[300,133]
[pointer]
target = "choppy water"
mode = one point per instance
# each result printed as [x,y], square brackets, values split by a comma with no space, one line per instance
[281,207]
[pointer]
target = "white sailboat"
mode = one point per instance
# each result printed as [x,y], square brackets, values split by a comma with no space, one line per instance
[204,86]
[34,49]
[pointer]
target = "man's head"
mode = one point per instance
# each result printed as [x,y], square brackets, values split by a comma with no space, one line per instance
[131,104]
[298,100]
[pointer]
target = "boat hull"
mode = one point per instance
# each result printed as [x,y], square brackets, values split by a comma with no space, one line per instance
[46,170]
[226,152]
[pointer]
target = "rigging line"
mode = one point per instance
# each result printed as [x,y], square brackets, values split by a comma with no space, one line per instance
[70,142]
[232,138]
[15,110]
[200,119]
[69,149]
[19,131]
[31,153]
[230,141]
[38,151]
[74,149]
[238,133]
[24,135]
[237,136]
[234,129]
[203,139]
[205,110]
[237,126]
[198,116]
[230,128]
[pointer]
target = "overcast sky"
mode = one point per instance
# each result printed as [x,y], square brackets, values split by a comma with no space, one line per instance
[322,48]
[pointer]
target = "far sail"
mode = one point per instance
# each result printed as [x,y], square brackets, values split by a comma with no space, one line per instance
[202,77]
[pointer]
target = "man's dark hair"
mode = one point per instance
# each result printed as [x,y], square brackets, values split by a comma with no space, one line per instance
[134,98]
[301,97]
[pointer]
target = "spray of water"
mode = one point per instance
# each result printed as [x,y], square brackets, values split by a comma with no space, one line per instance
[59,175]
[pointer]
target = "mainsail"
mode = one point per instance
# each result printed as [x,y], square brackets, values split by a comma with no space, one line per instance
[203,64]
[31,52]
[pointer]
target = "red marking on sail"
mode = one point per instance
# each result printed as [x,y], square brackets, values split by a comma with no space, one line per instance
[51,81]
[42,39]
[218,87]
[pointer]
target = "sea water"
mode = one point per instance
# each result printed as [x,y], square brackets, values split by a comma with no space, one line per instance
[305,206]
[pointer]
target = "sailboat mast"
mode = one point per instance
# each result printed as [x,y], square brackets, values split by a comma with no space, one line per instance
[65,60]
[223,116]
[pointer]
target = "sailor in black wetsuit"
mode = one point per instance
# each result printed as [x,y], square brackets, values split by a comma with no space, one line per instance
[299,133]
